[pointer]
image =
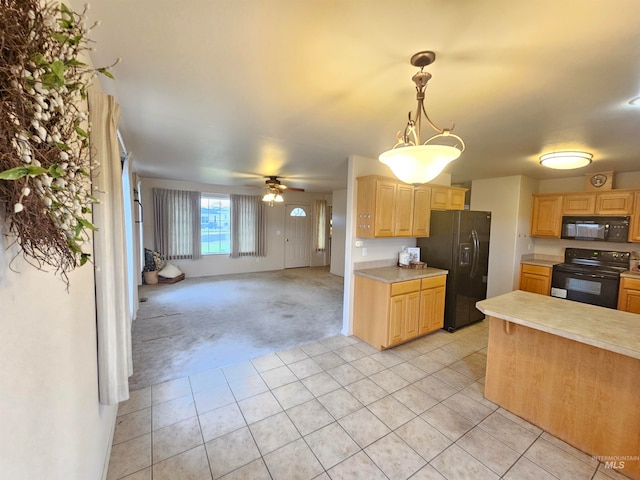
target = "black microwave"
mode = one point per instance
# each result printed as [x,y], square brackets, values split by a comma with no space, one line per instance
[603,229]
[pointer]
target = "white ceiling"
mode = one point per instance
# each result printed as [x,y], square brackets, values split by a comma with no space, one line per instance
[226,91]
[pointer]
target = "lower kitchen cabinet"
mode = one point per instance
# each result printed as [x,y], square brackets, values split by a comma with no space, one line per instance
[387,314]
[629,295]
[535,278]
[432,304]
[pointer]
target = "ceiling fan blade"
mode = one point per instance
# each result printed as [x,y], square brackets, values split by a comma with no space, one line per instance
[293,189]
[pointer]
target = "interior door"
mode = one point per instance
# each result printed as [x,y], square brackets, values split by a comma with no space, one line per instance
[297,241]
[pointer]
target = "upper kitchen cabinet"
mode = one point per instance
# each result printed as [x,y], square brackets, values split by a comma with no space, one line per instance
[606,203]
[421,211]
[546,216]
[614,203]
[385,208]
[578,204]
[390,208]
[447,198]
[634,232]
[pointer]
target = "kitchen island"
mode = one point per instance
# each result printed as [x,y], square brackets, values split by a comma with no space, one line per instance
[393,305]
[570,368]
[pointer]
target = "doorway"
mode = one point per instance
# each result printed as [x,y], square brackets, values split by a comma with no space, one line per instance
[297,231]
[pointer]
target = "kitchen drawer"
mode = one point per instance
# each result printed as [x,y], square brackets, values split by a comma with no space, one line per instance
[631,283]
[535,269]
[401,288]
[432,282]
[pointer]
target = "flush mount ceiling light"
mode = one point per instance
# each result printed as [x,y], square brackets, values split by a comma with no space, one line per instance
[566,160]
[409,159]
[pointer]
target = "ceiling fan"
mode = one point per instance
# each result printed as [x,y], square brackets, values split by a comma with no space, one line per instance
[272,182]
[274,189]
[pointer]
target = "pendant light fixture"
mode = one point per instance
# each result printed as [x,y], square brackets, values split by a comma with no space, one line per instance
[409,159]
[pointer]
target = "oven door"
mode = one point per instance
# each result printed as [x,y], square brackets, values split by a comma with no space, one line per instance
[585,287]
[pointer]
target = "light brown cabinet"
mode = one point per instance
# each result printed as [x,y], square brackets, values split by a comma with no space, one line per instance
[629,295]
[447,198]
[384,208]
[404,311]
[546,216]
[387,314]
[432,304]
[389,208]
[421,211]
[535,278]
[403,223]
[604,203]
[634,231]
[578,204]
[548,209]
[614,203]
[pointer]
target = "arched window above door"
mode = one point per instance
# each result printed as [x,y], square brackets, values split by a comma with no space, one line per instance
[298,212]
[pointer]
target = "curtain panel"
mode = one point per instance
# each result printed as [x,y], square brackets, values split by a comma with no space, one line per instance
[177,223]
[248,226]
[113,316]
[320,225]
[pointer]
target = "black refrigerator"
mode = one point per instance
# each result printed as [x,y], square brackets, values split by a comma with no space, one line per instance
[459,242]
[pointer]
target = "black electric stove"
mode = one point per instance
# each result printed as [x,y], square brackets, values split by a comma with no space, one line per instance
[589,276]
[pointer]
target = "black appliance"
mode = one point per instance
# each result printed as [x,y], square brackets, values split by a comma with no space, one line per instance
[459,243]
[589,276]
[603,229]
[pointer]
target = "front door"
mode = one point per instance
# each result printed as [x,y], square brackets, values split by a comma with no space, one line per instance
[297,241]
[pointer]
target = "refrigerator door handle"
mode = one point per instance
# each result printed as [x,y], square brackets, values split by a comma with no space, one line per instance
[476,252]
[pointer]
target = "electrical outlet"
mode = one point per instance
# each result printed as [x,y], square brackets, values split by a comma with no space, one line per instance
[364,252]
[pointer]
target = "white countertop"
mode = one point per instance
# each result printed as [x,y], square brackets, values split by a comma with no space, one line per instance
[397,274]
[541,260]
[600,327]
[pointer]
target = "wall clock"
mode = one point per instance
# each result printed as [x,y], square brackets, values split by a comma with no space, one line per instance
[598,180]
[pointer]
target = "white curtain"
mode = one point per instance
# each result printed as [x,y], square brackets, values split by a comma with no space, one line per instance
[177,223]
[133,272]
[110,255]
[248,226]
[320,237]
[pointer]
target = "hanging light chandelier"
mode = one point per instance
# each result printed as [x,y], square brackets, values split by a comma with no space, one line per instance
[409,159]
[273,195]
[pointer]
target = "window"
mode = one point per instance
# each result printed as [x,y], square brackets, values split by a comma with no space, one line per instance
[215,224]
[298,212]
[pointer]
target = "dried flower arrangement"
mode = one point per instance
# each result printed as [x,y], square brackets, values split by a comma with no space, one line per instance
[45,157]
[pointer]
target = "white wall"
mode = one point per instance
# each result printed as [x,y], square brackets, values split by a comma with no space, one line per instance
[501,197]
[223,264]
[338,238]
[51,424]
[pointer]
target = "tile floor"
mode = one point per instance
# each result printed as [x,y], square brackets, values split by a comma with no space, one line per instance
[340,409]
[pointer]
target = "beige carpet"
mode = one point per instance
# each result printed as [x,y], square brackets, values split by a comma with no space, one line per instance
[209,322]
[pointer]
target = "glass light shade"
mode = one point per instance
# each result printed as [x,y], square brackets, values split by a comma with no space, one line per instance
[420,163]
[268,197]
[566,160]
[278,198]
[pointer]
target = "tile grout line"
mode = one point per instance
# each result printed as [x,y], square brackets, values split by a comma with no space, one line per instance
[405,360]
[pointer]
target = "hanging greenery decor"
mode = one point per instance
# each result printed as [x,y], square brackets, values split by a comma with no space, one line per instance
[45,157]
